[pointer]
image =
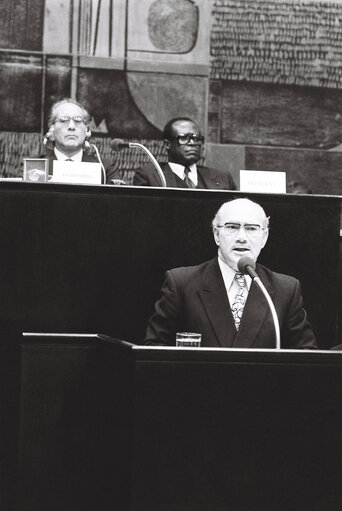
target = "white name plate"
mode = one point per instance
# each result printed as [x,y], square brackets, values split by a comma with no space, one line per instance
[262,181]
[80,172]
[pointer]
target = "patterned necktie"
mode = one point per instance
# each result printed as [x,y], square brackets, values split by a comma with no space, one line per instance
[239,300]
[187,180]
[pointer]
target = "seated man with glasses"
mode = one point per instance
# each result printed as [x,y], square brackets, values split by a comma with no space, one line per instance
[226,307]
[183,140]
[68,133]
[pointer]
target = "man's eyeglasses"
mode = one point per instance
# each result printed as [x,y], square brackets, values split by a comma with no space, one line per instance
[186,138]
[64,119]
[250,229]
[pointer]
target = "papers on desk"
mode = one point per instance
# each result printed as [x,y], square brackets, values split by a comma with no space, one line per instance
[76,172]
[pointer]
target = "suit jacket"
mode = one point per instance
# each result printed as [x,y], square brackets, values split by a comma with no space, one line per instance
[194,299]
[211,178]
[51,157]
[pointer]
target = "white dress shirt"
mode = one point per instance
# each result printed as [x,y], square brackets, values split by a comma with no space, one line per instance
[179,171]
[61,156]
[228,275]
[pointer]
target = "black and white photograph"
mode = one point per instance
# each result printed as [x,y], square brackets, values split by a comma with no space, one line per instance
[170,255]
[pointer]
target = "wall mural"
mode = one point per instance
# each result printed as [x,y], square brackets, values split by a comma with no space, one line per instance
[159,46]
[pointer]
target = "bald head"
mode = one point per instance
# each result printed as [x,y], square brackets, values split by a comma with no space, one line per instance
[240,229]
[239,207]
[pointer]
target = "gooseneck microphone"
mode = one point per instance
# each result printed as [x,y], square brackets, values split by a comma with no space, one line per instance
[246,265]
[117,145]
[88,145]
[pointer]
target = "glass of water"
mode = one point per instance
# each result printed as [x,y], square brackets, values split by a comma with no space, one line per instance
[188,339]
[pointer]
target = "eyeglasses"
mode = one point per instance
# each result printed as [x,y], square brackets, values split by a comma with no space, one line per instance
[64,119]
[250,229]
[185,139]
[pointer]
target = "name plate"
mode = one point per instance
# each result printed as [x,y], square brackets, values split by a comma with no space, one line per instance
[79,172]
[262,181]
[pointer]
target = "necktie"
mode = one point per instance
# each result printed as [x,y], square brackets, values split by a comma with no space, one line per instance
[187,180]
[69,159]
[239,300]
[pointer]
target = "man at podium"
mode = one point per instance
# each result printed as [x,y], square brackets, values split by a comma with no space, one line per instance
[224,305]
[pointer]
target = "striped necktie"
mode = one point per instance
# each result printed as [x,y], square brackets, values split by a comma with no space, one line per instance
[187,180]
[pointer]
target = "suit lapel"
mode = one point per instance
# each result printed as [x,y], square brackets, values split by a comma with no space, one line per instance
[169,176]
[209,179]
[254,314]
[215,302]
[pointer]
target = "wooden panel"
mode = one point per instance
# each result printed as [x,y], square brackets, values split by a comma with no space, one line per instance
[21,91]
[58,82]
[320,170]
[223,430]
[280,115]
[57,425]
[106,94]
[21,24]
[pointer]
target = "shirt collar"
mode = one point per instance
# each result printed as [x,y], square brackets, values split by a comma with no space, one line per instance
[179,171]
[228,274]
[61,156]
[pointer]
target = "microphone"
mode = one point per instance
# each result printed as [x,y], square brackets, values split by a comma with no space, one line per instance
[246,265]
[88,145]
[117,145]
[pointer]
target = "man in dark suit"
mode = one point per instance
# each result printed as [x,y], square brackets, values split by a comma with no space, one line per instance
[228,309]
[183,140]
[68,133]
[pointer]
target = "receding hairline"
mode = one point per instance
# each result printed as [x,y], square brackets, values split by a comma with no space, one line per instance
[65,101]
[245,200]
[167,131]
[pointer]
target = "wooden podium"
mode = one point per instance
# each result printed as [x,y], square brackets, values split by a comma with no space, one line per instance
[179,429]
[200,429]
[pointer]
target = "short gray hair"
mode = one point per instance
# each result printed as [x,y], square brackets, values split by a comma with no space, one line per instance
[57,104]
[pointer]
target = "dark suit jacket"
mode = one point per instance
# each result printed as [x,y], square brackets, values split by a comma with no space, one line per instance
[51,157]
[194,299]
[85,157]
[211,178]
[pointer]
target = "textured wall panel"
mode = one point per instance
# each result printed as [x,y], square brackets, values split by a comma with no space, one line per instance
[289,116]
[287,41]
[21,24]
[20,92]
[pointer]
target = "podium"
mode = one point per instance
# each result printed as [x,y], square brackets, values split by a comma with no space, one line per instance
[200,429]
[179,428]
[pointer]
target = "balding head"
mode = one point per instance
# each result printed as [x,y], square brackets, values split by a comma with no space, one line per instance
[240,229]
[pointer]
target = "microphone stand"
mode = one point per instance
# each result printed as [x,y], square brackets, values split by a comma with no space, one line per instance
[100,161]
[153,160]
[273,311]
